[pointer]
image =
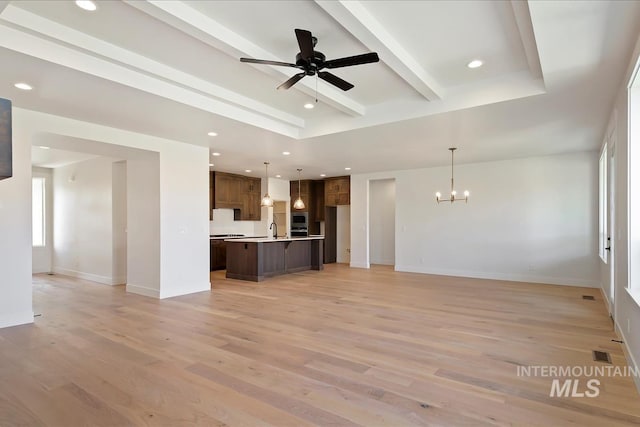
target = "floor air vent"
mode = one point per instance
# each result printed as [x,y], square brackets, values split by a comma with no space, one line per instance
[601,356]
[588,297]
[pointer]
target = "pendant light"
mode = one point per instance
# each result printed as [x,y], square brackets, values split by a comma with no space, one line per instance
[266,200]
[298,204]
[452,197]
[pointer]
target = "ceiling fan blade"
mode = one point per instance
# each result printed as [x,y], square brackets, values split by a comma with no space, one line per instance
[305,41]
[265,62]
[293,80]
[335,80]
[365,58]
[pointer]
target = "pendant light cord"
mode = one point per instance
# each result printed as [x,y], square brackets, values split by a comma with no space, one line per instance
[452,170]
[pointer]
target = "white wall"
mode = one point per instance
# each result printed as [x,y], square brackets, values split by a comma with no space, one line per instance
[627,310]
[82,208]
[530,219]
[180,241]
[119,221]
[43,256]
[15,229]
[143,226]
[184,205]
[343,234]
[382,229]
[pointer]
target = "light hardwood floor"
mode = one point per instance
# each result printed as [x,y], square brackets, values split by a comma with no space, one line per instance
[340,347]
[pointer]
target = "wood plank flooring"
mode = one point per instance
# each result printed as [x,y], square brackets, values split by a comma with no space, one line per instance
[341,347]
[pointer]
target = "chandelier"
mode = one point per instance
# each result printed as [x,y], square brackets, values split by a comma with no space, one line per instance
[298,204]
[266,200]
[452,197]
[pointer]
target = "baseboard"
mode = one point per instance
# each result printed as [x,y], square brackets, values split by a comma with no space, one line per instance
[359,264]
[565,281]
[142,290]
[119,280]
[185,290]
[383,262]
[605,298]
[629,356]
[15,319]
[105,280]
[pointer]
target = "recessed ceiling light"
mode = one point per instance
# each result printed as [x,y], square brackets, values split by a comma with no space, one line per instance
[323,175]
[308,106]
[347,169]
[247,170]
[86,5]
[212,134]
[475,63]
[45,147]
[278,176]
[285,153]
[211,165]
[23,86]
[215,154]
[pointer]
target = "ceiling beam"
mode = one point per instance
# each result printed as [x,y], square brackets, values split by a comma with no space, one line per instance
[79,51]
[522,17]
[356,19]
[51,50]
[190,21]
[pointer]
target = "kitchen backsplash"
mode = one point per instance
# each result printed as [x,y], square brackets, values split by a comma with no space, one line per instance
[223,223]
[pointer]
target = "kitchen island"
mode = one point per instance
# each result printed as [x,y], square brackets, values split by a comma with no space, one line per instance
[257,259]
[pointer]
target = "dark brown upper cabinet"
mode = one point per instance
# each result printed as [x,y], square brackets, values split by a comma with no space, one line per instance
[237,192]
[337,191]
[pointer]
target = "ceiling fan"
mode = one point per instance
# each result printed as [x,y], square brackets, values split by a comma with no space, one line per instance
[312,62]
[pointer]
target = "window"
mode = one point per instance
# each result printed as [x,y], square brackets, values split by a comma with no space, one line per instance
[602,205]
[38,211]
[633,197]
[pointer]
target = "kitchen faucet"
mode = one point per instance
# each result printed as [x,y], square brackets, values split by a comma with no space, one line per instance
[275,234]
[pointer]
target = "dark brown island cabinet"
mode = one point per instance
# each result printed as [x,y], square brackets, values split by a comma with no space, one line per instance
[258,259]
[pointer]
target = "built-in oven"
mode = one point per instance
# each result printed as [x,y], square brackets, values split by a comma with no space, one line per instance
[299,224]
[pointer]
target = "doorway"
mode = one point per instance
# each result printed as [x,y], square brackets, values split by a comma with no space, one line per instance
[382,221]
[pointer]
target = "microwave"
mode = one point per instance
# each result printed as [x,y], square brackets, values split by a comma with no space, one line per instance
[299,220]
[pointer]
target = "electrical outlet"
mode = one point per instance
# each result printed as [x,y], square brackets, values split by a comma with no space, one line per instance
[421,260]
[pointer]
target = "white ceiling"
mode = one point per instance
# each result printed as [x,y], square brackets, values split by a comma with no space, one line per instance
[55,158]
[172,69]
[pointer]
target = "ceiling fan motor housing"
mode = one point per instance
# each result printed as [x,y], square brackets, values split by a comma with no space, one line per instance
[313,65]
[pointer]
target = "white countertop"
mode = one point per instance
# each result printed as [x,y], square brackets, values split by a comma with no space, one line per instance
[271,239]
[234,238]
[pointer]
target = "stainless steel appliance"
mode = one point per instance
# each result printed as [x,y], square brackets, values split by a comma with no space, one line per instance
[299,224]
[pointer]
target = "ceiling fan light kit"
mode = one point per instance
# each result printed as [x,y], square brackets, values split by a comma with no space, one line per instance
[453,195]
[311,62]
